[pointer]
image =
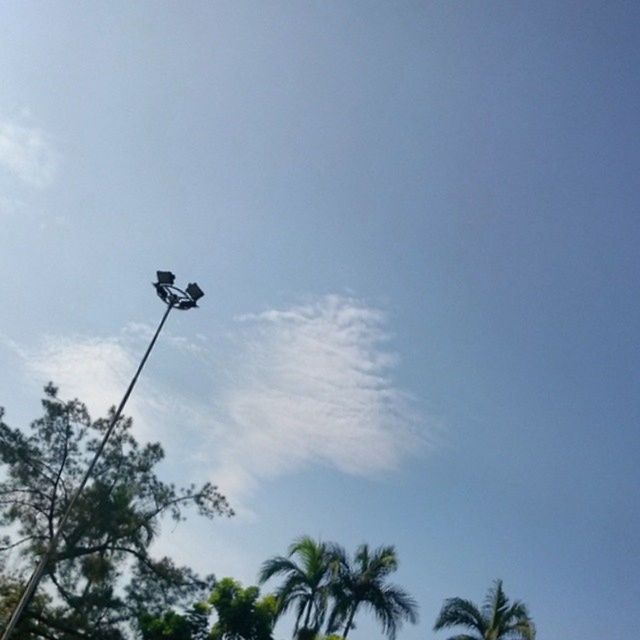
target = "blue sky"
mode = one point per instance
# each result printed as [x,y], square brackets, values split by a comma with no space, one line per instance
[416,225]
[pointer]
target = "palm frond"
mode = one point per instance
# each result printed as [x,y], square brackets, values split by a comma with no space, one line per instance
[524,629]
[495,605]
[361,557]
[307,579]
[308,550]
[302,605]
[458,612]
[392,606]
[405,607]
[275,566]
[338,614]
[321,606]
[386,613]
[337,559]
[517,611]
[289,591]
[498,619]
[384,561]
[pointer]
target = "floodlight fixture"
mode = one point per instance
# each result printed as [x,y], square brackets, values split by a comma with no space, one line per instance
[175,297]
[165,277]
[194,291]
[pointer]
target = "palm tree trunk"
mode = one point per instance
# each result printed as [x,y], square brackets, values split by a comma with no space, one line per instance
[352,615]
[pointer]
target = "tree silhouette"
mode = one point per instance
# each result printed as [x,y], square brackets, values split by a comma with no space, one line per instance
[306,572]
[497,619]
[109,532]
[362,583]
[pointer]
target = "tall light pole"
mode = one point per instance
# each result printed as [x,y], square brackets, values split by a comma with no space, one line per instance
[174,298]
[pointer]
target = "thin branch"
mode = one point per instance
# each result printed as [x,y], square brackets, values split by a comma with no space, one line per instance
[19,542]
[25,504]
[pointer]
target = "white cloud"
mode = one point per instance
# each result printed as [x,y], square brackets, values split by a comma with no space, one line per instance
[27,153]
[308,385]
[312,386]
[98,371]
[145,332]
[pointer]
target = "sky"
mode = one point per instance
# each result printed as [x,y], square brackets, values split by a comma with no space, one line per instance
[416,225]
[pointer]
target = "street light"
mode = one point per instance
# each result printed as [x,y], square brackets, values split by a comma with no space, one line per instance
[174,298]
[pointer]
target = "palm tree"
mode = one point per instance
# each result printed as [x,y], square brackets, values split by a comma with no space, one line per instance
[495,620]
[306,582]
[362,582]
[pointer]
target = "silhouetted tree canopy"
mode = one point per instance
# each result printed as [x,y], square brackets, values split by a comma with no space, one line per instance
[319,577]
[496,619]
[102,577]
[362,582]
[306,574]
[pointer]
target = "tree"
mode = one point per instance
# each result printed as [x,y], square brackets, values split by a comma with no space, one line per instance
[102,576]
[307,634]
[497,619]
[41,610]
[362,582]
[307,576]
[242,614]
[193,625]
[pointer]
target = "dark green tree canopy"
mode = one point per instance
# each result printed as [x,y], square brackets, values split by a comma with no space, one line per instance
[362,582]
[306,573]
[497,619]
[319,578]
[242,613]
[102,576]
[191,625]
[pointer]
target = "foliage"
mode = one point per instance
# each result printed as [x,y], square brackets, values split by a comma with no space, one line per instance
[103,584]
[307,578]
[362,582]
[307,634]
[101,577]
[242,614]
[317,575]
[56,627]
[173,626]
[497,619]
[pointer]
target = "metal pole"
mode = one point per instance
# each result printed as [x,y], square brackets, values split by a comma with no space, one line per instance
[36,576]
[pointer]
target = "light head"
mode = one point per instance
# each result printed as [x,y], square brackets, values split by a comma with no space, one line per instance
[172,295]
[194,291]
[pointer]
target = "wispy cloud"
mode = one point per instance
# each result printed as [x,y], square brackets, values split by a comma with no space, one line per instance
[312,385]
[27,153]
[97,370]
[309,385]
[144,331]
